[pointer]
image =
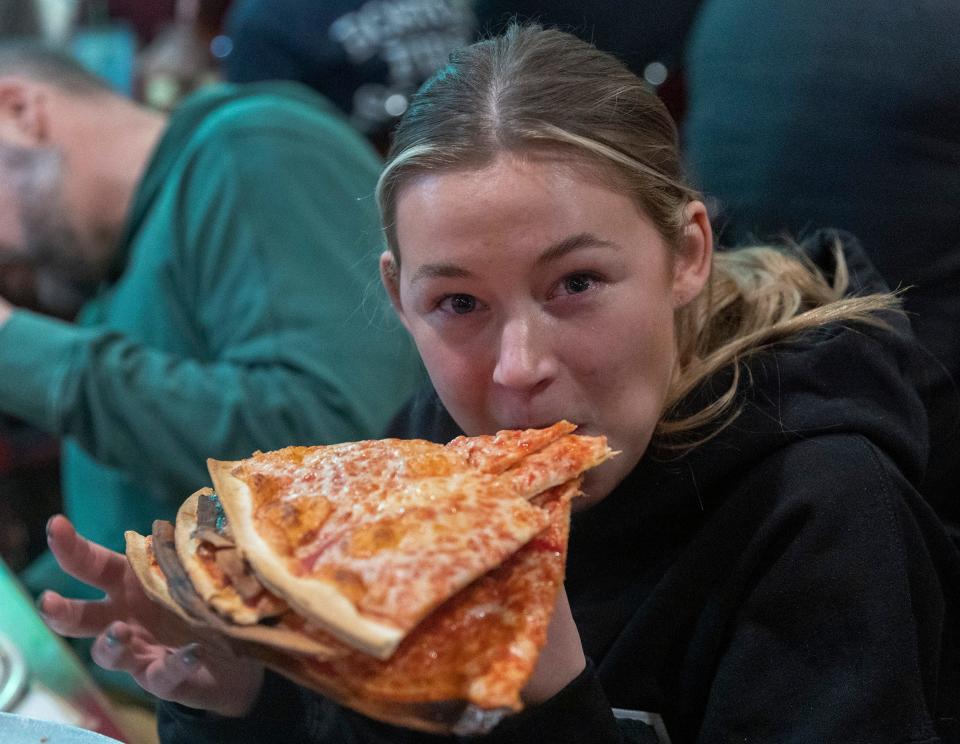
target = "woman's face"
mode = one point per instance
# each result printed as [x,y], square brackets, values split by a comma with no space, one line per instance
[535,292]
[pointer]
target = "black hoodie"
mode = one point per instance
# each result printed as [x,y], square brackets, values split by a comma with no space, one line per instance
[783,582]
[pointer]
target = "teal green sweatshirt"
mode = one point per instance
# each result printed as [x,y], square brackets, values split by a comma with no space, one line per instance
[243,313]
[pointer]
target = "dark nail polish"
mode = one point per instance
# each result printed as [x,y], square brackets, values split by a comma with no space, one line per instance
[189,655]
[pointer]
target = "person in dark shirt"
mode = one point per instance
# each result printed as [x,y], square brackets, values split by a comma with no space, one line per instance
[367,56]
[756,564]
[805,115]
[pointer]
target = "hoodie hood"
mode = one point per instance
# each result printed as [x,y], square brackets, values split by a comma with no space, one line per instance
[837,379]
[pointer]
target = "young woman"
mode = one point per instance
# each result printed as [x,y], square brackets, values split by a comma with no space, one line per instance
[756,565]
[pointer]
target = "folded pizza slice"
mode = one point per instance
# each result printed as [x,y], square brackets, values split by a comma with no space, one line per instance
[366,538]
[365,556]
[463,667]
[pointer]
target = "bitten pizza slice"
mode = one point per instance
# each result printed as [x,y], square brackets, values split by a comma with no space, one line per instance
[558,462]
[368,537]
[533,459]
[462,669]
[375,561]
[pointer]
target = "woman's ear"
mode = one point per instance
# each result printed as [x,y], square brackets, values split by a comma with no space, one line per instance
[691,267]
[390,276]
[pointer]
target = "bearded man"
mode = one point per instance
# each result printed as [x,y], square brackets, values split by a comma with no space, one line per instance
[225,252]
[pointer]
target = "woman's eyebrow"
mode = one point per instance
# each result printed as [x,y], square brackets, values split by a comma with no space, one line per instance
[439,271]
[573,243]
[553,253]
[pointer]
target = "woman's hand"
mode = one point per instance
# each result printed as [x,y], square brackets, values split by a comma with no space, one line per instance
[166,656]
[561,659]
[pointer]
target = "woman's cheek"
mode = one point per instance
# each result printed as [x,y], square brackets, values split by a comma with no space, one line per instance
[449,370]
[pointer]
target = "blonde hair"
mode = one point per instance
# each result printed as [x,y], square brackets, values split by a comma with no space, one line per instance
[537,88]
[754,298]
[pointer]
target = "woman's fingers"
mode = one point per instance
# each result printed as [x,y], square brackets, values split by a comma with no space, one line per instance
[84,560]
[179,674]
[190,674]
[159,669]
[166,677]
[76,618]
[113,650]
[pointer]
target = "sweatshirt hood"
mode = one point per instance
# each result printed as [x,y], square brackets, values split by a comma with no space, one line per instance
[840,379]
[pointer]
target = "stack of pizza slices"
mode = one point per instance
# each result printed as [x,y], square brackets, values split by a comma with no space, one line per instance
[410,581]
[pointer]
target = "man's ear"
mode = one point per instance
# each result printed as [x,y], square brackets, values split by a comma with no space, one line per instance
[23,112]
[390,276]
[691,267]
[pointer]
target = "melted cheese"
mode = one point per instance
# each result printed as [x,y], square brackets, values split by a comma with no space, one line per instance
[498,452]
[395,537]
[480,646]
[557,463]
[399,526]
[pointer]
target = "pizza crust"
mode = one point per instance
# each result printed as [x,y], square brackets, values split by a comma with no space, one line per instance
[139,554]
[180,591]
[224,598]
[318,599]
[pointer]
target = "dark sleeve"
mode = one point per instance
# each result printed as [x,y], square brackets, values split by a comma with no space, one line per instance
[282,707]
[284,712]
[842,612]
[579,714]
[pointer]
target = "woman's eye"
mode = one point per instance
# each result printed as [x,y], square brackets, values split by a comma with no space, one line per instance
[461,304]
[577,283]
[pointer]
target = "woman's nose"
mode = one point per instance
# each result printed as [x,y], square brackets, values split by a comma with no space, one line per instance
[524,361]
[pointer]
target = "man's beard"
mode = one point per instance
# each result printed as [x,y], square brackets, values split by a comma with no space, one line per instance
[52,245]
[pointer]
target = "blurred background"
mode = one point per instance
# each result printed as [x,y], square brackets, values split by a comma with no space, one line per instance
[155,52]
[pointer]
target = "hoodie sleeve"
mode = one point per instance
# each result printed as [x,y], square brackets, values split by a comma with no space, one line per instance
[840,616]
[578,714]
[262,282]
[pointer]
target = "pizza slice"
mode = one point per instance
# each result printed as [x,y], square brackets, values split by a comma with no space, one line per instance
[462,669]
[368,537]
